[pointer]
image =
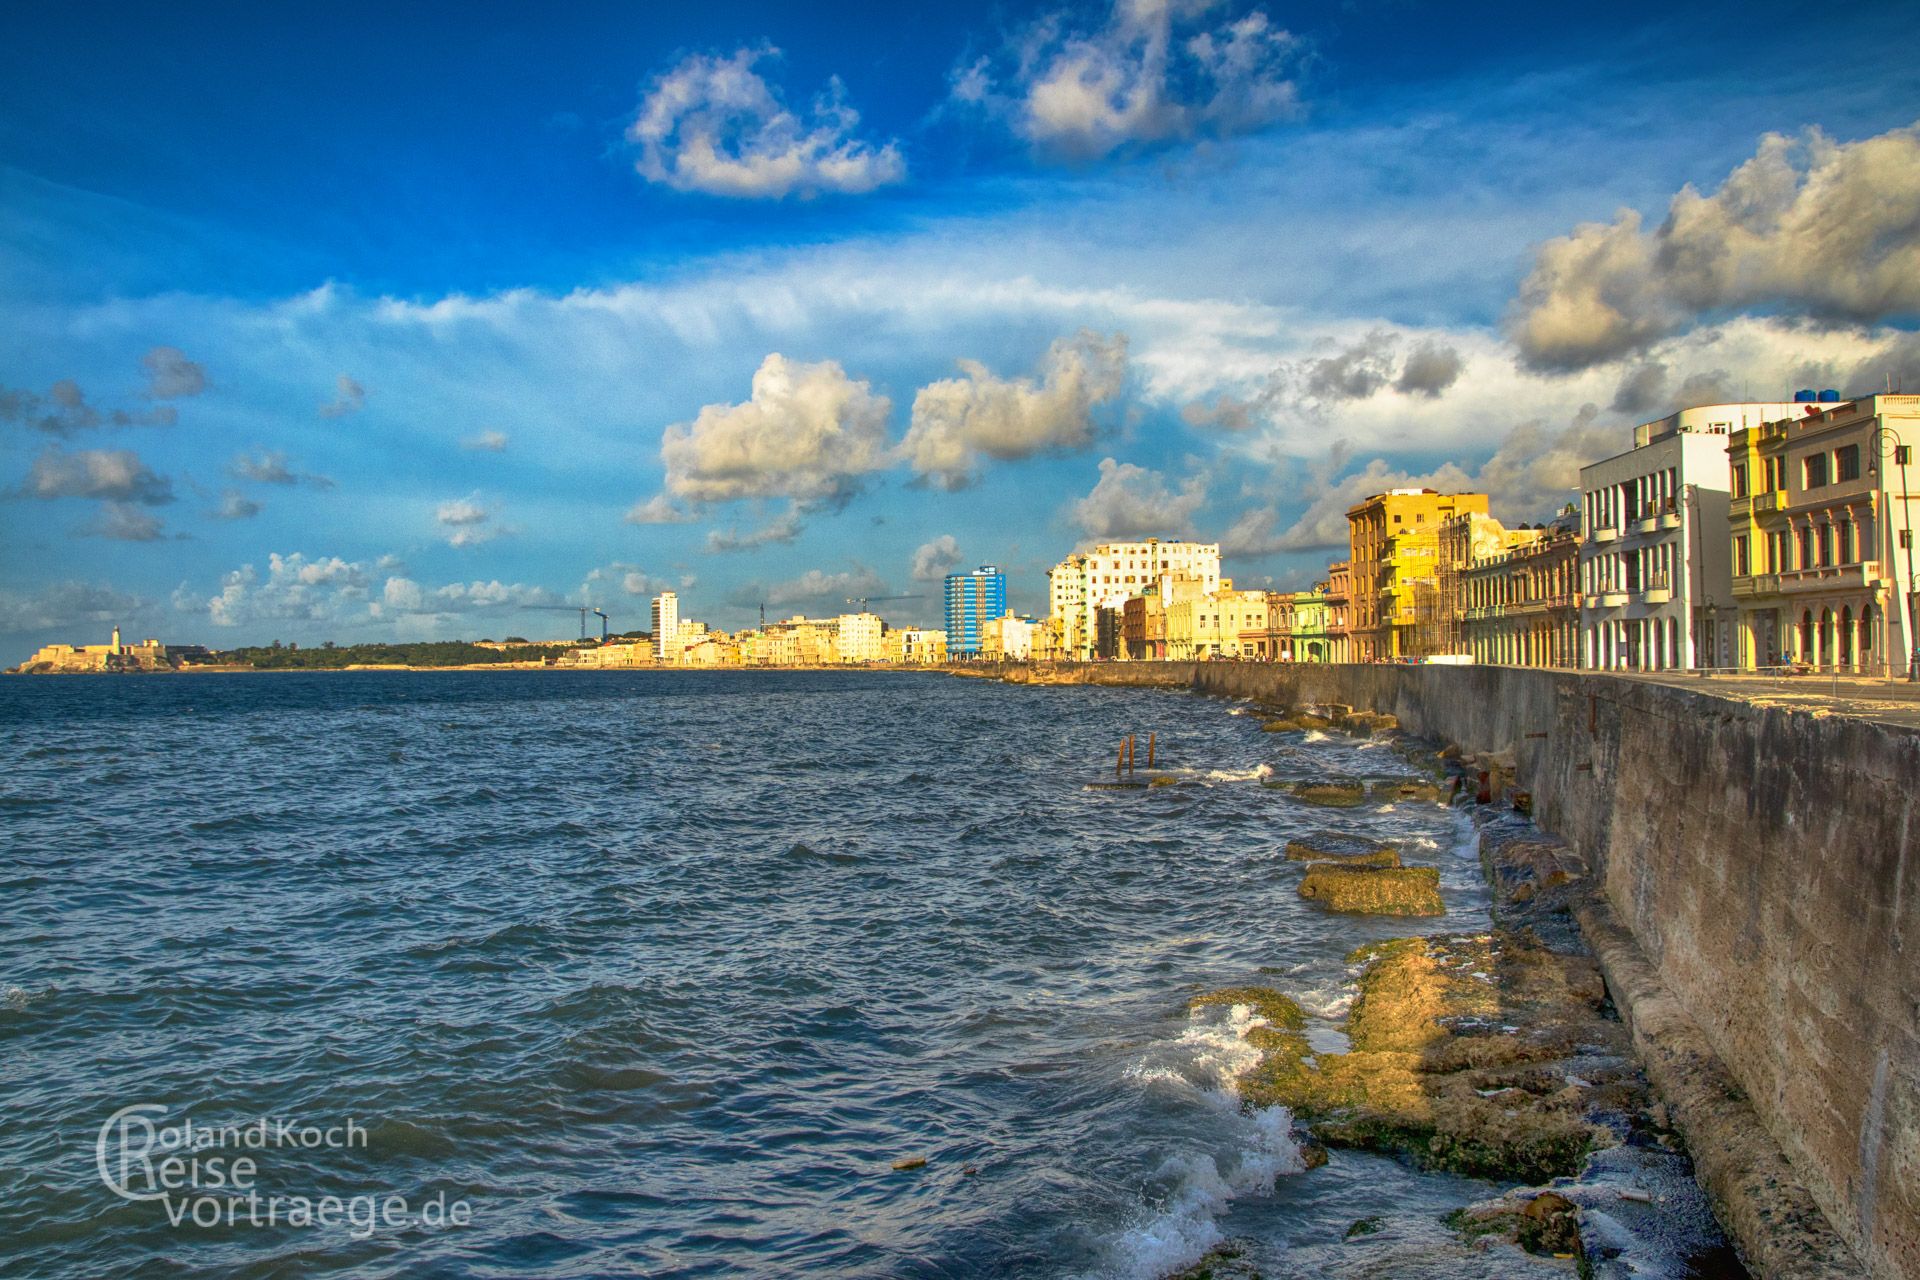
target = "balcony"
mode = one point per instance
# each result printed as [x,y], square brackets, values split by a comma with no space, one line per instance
[1669,519]
[1771,500]
[1605,600]
[1759,584]
[1607,534]
[1658,589]
[1829,577]
[1646,524]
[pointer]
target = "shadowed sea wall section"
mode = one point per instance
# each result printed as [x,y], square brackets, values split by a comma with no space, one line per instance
[1765,861]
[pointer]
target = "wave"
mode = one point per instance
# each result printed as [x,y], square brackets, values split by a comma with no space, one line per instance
[1192,1190]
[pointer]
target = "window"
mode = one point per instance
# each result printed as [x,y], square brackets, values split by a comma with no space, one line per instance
[1847,462]
[1740,480]
[1806,548]
[1741,567]
[1826,545]
[1816,474]
[1843,537]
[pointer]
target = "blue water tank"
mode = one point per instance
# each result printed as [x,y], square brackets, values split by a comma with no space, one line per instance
[1804,397]
[1829,396]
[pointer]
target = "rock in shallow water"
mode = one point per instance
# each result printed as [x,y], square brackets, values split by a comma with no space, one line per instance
[1374,890]
[1342,848]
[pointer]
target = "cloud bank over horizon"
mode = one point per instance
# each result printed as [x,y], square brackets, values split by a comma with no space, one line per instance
[1083,282]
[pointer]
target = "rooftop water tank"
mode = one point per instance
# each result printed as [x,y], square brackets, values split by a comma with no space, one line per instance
[1804,397]
[1829,396]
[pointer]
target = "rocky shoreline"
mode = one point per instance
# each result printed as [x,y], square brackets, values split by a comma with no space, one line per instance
[1495,1055]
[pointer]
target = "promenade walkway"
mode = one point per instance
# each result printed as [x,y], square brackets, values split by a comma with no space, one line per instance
[1888,702]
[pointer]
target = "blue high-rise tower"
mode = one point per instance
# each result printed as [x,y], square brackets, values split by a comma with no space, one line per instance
[973,599]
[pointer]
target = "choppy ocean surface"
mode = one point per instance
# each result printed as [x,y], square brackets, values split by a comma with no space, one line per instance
[658,974]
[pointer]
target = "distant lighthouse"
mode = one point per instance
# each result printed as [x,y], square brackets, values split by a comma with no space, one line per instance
[115,648]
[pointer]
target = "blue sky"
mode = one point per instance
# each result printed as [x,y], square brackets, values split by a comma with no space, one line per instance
[391,322]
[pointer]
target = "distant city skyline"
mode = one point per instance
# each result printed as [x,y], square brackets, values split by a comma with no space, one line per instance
[429,325]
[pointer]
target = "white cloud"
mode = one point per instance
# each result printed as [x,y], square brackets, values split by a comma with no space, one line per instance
[1533,472]
[658,509]
[298,589]
[957,419]
[714,125]
[171,376]
[235,505]
[1131,501]
[488,441]
[469,521]
[828,592]
[629,578]
[124,522]
[80,606]
[1808,225]
[934,560]
[270,466]
[116,475]
[782,529]
[349,397]
[1146,76]
[807,432]
[65,410]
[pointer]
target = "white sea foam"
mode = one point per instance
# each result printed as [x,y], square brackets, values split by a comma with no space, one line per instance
[1239,775]
[1206,1060]
[1314,735]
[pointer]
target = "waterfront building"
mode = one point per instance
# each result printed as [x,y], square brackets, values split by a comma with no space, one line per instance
[1464,539]
[1339,601]
[1213,624]
[1821,534]
[148,655]
[666,626]
[1394,540]
[1521,606]
[1084,584]
[858,635]
[915,646]
[973,599]
[1656,580]
[1271,639]
[1312,635]
[1008,638]
[619,654]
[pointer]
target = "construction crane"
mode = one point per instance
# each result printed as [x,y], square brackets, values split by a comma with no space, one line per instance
[863,601]
[583,610]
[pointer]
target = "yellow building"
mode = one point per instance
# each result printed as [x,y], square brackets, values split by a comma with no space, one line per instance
[1394,538]
[1822,547]
[1211,625]
[915,646]
[148,655]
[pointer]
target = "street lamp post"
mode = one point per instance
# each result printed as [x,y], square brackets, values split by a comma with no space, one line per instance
[1887,445]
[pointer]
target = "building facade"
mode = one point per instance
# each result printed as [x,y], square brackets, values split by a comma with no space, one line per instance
[1463,540]
[1521,607]
[1656,578]
[666,627]
[973,600]
[1085,583]
[1339,604]
[1216,624]
[1394,540]
[1821,535]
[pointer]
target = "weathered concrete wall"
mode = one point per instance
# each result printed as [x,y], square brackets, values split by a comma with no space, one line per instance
[1766,861]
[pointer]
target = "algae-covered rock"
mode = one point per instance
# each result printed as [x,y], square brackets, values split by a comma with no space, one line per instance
[1459,1056]
[1163,780]
[1385,891]
[1409,790]
[1279,1009]
[1343,848]
[1222,1262]
[1280,724]
[1337,793]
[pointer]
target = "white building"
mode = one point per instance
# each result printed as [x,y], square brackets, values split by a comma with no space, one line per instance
[1655,566]
[860,637]
[666,626]
[1106,576]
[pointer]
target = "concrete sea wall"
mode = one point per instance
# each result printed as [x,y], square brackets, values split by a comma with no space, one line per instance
[1765,861]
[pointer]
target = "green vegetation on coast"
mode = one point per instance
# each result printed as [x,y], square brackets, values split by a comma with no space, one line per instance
[426,653]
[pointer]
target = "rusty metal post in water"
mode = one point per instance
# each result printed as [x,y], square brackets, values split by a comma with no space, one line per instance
[1120,761]
[1149,751]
